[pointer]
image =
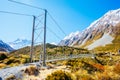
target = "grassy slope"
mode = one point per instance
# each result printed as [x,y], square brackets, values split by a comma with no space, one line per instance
[22,56]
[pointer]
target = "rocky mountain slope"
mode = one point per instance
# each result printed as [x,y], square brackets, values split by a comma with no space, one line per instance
[100,33]
[70,39]
[5,47]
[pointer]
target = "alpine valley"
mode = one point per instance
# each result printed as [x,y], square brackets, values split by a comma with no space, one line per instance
[102,35]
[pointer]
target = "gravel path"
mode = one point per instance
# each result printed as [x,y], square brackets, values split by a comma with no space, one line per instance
[4,73]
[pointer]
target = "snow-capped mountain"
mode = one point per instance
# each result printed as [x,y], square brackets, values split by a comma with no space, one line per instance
[100,31]
[70,39]
[5,47]
[19,43]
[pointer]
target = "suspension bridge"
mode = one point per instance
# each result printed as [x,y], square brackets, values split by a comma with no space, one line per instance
[4,73]
[39,23]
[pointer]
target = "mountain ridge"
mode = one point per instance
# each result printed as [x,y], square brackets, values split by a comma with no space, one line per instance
[20,43]
[104,25]
[5,47]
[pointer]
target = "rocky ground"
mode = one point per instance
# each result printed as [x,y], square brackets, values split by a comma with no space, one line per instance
[44,72]
[19,73]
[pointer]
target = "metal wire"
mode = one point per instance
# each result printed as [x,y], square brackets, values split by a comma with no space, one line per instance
[7,12]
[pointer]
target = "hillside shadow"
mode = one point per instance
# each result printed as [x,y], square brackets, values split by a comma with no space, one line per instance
[0,78]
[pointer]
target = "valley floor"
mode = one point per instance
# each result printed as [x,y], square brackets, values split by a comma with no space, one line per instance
[102,67]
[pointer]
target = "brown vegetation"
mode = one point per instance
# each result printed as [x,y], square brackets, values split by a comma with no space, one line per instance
[60,75]
[12,77]
[32,70]
[117,68]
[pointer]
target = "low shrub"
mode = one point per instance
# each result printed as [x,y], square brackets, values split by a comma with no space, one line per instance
[104,77]
[32,70]
[117,68]
[12,77]
[10,61]
[60,75]
[2,65]
[85,77]
[3,56]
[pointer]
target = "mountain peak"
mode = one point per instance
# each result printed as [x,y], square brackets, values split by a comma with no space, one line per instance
[112,17]
[104,25]
[71,35]
[19,43]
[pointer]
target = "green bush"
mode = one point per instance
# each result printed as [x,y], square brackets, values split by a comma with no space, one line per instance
[10,61]
[2,56]
[60,75]
[27,60]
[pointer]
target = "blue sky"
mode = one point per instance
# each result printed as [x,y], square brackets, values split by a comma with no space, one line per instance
[71,15]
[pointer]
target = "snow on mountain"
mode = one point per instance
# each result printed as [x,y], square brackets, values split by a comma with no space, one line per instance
[19,43]
[112,17]
[70,38]
[5,47]
[72,35]
[104,25]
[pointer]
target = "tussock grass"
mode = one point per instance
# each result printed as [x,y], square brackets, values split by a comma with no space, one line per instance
[32,70]
[60,75]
